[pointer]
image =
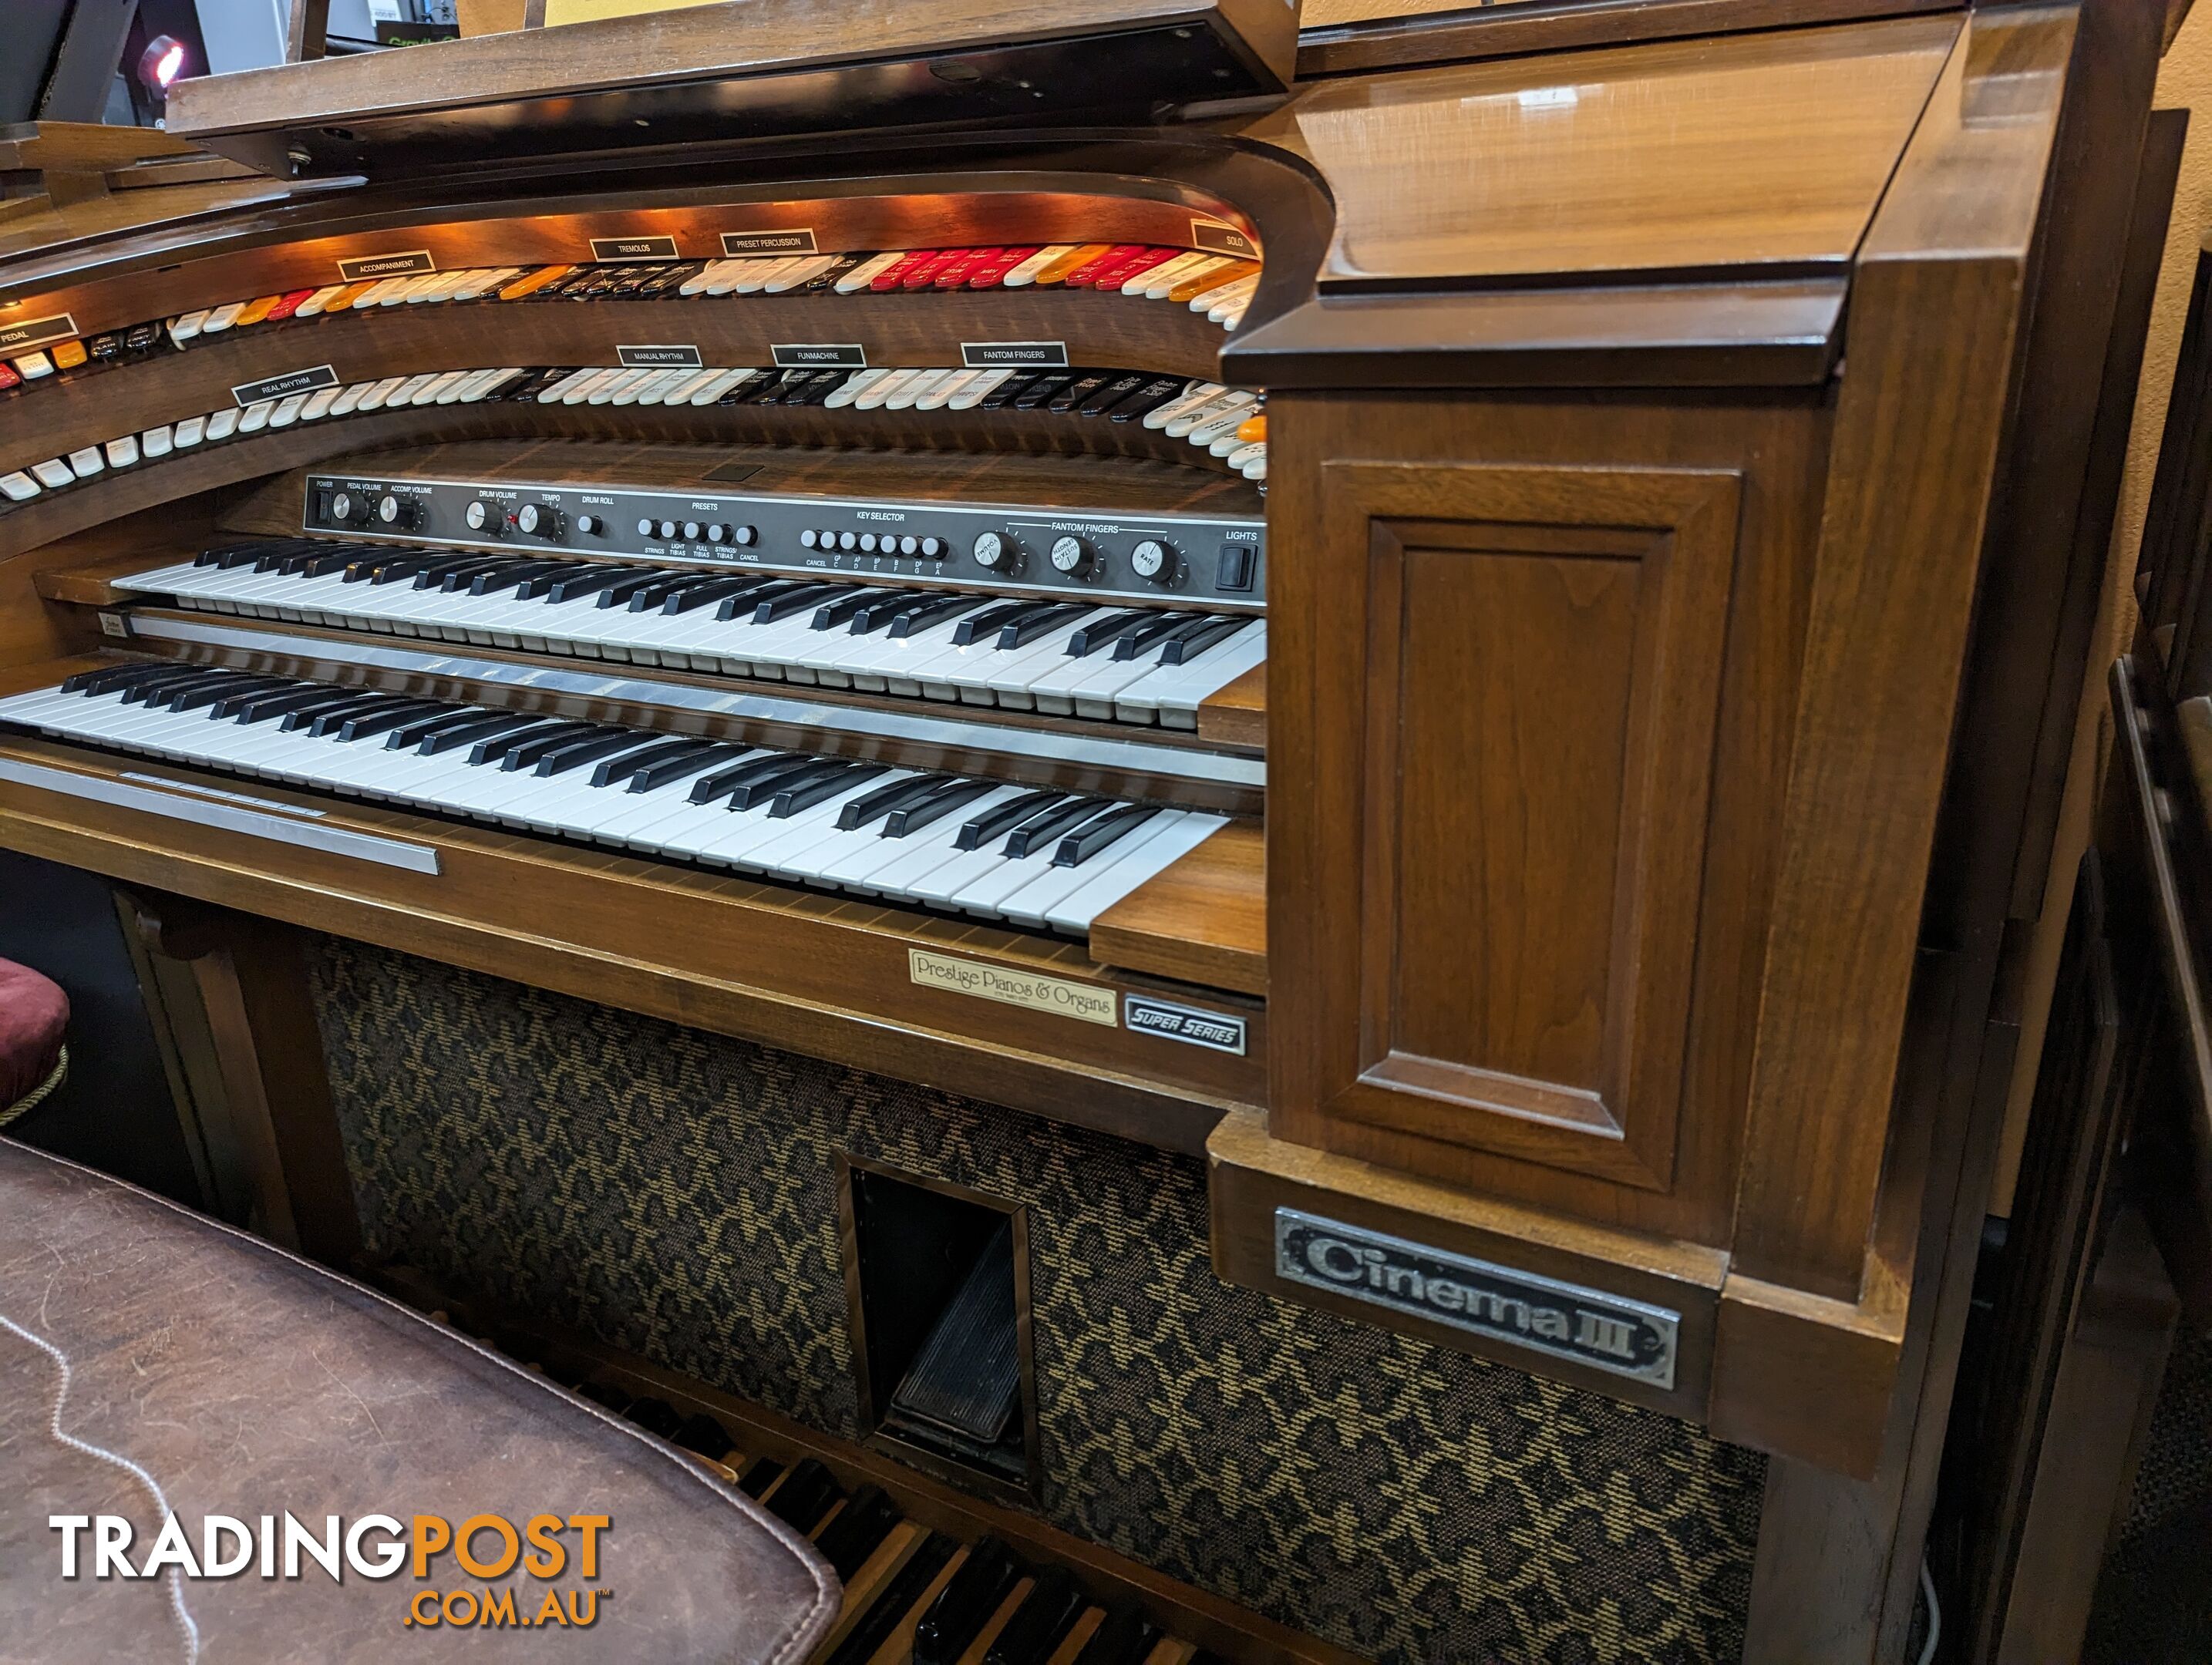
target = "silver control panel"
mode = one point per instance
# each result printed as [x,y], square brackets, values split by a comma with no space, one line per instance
[1219,561]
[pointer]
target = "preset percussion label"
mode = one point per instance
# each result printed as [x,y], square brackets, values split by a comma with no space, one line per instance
[411,263]
[798,241]
[1221,239]
[36,333]
[1585,1327]
[670,356]
[633,248]
[1182,1022]
[820,355]
[990,355]
[1086,1001]
[292,381]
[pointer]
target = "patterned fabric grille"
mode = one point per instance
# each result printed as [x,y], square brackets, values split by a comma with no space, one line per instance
[673,1193]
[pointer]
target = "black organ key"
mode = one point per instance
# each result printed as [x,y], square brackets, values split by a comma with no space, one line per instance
[948,796]
[329,722]
[573,587]
[652,776]
[388,569]
[637,583]
[1135,642]
[515,576]
[1042,1621]
[873,805]
[1187,645]
[204,690]
[614,770]
[576,754]
[1044,387]
[1042,828]
[1021,632]
[744,601]
[976,626]
[805,1496]
[140,690]
[1007,392]
[655,1416]
[540,587]
[461,576]
[997,819]
[749,767]
[804,793]
[1109,395]
[435,574]
[920,616]
[702,1433]
[1100,632]
[1125,1637]
[858,1532]
[889,1610]
[526,751]
[261,707]
[383,722]
[499,745]
[655,598]
[299,716]
[107,679]
[671,278]
[842,611]
[796,599]
[819,388]
[965,1605]
[419,729]
[718,587]
[759,1477]
[1092,837]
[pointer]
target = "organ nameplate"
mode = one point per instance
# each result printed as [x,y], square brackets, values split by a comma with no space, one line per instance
[633,248]
[799,241]
[1143,1014]
[1021,354]
[276,387]
[33,332]
[1563,1320]
[413,262]
[820,355]
[669,356]
[1087,1001]
[255,818]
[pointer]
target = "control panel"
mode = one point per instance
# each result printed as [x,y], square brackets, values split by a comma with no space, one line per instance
[1219,561]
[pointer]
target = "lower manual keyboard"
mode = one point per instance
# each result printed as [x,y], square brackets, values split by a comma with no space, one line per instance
[1034,857]
[1151,665]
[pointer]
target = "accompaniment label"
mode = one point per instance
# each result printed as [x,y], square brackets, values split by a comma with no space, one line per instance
[1087,1001]
[414,263]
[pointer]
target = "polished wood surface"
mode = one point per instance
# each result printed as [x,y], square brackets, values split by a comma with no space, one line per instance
[1237,715]
[1203,920]
[1760,155]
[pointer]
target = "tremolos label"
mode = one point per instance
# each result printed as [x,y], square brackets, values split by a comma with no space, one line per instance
[633,248]
[986,355]
[292,381]
[1086,1001]
[668,357]
[1585,1327]
[800,241]
[412,263]
[36,333]
[1183,1023]
[820,355]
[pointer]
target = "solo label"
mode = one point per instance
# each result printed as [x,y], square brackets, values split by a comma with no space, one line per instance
[633,248]
[664,357]
[292,381]
[1183,1023]
[1086,1001]
[800,241]
[1218,239]
[36,333]
[1023,354]
[820,355]
[414,263]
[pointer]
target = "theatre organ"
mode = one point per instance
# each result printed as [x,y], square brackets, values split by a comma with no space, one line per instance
[1413,621]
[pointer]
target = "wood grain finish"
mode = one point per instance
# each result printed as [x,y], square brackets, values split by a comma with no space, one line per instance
[829,977]
[1757,153]
[1934,315]
[1203,920]
[1237,715]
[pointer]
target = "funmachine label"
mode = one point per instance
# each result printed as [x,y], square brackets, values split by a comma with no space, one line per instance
[1585,1327]
[1182,1023]
[820,355]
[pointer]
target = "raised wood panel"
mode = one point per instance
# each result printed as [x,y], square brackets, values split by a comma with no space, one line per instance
[1542,652]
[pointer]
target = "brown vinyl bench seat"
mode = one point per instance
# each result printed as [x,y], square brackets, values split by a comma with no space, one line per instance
[154,1363]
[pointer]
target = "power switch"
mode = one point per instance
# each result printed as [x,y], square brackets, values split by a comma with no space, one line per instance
[1235,572]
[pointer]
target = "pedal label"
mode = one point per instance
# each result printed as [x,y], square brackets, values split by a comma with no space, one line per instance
[1585,1327]
[35,333]
[1183,1023]
[1086,1001]
[415,263]
[800,241]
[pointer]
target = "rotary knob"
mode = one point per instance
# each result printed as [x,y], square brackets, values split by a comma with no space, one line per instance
[396,512]
[1154,561]
[1071,556]
[350,508]
[538,521]
[485,518]
[994,553]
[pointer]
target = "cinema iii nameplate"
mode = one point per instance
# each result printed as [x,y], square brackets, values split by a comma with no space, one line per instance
[1585,1327]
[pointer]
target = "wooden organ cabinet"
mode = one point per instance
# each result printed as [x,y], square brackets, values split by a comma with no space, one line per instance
[1471,617]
